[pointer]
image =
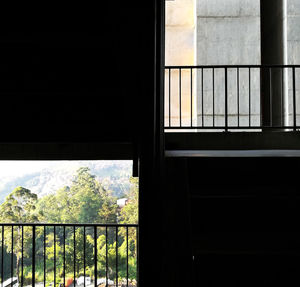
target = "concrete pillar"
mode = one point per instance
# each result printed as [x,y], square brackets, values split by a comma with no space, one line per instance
[274,86]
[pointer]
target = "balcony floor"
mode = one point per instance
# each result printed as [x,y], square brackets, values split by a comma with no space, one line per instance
[285,143]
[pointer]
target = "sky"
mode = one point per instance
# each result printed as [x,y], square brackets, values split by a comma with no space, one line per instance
[18,167]
[22,167]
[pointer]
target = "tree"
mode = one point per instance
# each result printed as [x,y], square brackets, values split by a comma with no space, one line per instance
[109,209]
[85,198]
[129,213]
[19,207]
[55,207]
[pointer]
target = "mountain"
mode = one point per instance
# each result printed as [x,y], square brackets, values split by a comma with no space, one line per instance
[113,175]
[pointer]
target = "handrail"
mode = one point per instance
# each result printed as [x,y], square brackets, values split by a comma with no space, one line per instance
[232,97]
[70,224]
[229,66]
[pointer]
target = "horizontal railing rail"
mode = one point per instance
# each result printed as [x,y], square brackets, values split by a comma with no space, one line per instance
[232,97]
[46,254]
[230,66]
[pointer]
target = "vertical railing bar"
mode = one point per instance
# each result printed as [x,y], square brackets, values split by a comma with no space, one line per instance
[12,255]
[226,101]
[281,98]
[54,241]
[74,254]
[249,97]
[117,256]
[261,72]
[95,255]
[294,98]
[84,246]
[271,97]
[127,254]
[106,257]
[213,82]
[64,259]
[22,266]
[44,256]
[2,256]
[202,97]
[180,121]
[169,97]
[191,97]
[238,94]
[137,255]
[33,256]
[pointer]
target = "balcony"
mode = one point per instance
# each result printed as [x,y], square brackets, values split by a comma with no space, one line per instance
[231,75]
[232,107]
[69,254]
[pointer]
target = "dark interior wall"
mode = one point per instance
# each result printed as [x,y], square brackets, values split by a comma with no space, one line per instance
[70,72]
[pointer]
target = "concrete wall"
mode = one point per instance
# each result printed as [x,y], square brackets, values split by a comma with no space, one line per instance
[180,50]
[228,33]
[218,32]
[293,31]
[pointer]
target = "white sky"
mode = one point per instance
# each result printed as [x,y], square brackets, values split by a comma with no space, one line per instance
[19,167]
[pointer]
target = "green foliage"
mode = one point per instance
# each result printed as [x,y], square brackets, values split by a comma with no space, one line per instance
[129,213]
[55,207]
[85,201]
[19,206]
[111,250]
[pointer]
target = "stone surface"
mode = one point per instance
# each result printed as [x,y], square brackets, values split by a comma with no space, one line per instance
[218,32]
[293,33]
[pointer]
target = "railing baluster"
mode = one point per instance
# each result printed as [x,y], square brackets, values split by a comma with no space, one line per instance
[261,72]
[2,256]
[169,97]
[54,242]
[238,94]
[202,97]
[213,82]
[22,251]
[74,254]
[64,243]
[84,246]
[249,97]
[281,98]
[294,99]
[106,257]
[226,101]
[12,255]
[95,257]
[127,274]
[33,256]
[137,255]
[44,253]
[180,123]
[117,256]
[271,98]
[191,97]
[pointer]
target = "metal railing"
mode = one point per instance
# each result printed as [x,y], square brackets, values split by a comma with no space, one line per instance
[225,98]
[57,254]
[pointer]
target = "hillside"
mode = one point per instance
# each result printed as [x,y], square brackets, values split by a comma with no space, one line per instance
[114,175]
